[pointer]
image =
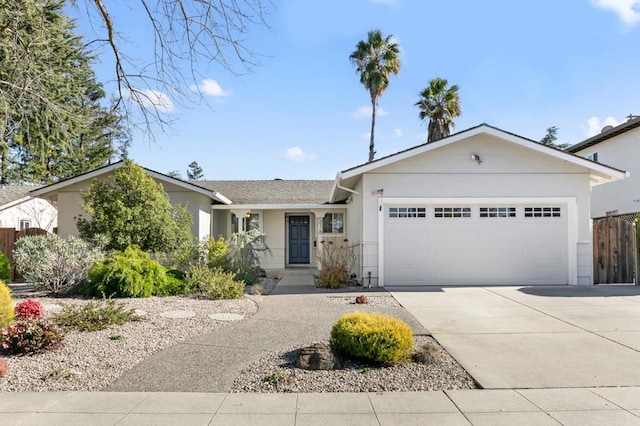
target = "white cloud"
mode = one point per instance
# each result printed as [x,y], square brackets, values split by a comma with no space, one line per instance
[397,132]
[210,87]
[153,98]
[594,126]
[298,155]
[628,11]
[365,112]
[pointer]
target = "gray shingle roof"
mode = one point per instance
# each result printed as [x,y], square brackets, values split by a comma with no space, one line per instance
[271,191]
[9,193]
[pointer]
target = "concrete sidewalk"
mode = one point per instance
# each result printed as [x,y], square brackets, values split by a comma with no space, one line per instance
[610,406]
[535,337]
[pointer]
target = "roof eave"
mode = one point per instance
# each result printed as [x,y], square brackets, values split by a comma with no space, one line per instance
[286,206]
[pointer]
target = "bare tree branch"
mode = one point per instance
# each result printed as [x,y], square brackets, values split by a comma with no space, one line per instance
[189,36]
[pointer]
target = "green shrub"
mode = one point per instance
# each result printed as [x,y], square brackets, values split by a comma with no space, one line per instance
[372,336]
[131,273]
[131,208]
[7,312]
[30,336]
[218,253]
[214,283]
[94,316]
[52,263]
[5,268]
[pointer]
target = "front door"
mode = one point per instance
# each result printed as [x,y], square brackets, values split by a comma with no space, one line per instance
[299,240]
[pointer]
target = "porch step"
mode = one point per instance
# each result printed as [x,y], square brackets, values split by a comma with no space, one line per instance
[292,271]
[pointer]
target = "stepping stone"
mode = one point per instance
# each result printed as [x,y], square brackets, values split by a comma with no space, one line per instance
[226,317]
[140,312]
[178,314]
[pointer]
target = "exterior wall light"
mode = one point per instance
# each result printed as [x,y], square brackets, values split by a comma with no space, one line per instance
[476,157]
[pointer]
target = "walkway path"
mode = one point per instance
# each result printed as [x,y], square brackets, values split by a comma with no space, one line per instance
[295,313]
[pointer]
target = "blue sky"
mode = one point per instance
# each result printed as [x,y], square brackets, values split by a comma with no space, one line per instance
[303,114]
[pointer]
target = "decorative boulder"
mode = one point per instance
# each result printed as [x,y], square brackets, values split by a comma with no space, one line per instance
[4,366]
[318,356]
[362,300]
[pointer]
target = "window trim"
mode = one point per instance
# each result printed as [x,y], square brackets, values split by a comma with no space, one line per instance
[452,212]
[499,212]
[538,212]
[332,221]
[407,212]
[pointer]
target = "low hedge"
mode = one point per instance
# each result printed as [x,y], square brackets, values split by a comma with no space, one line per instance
[372,336]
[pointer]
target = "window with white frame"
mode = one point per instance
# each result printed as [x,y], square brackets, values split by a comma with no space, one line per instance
[333,223]
[409,212]
[497,212]
[542,212]
[25,224]
[452,212]
[593,157]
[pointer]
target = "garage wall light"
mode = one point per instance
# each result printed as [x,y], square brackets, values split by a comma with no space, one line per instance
[476,157]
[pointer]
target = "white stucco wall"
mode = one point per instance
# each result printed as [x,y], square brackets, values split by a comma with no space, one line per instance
[507,170]
[40,213]
[622,152]
[198,205]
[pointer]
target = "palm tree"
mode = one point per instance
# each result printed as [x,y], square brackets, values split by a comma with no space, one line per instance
[440,105]
[375,59]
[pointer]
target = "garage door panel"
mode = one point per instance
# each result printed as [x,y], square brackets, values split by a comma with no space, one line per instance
[475,250]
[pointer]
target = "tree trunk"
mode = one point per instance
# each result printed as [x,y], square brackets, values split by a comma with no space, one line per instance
[374,105]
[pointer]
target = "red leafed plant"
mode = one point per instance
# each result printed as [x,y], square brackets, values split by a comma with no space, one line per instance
[29,309]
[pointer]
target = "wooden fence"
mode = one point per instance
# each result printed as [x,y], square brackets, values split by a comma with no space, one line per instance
[9,236]
[615,251]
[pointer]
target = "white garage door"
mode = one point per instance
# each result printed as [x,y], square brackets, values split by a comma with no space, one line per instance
[502,244]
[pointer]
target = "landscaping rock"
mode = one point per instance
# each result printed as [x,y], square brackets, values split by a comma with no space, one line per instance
[362,300]
[318,356]
[178,314]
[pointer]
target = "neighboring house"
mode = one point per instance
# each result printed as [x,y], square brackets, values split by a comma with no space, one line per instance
[480,207]
[21,211]
[619,146]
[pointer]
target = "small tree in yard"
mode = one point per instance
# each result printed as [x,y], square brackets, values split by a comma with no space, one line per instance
[131,208]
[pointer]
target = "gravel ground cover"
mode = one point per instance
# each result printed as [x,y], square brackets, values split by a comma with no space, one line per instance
[88,361]
[382,300]
[277,373]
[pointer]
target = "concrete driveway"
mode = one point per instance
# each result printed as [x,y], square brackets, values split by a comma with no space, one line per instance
[535,337]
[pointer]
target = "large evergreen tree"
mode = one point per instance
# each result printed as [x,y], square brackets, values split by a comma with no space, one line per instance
[130,207]
[52,121]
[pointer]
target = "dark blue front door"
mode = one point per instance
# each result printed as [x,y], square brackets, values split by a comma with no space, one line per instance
[298,239]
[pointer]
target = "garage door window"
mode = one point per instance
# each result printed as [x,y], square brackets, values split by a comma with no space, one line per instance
[454,212]
[497,212]
[542,212]
[409,212]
